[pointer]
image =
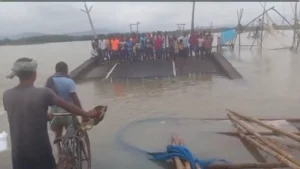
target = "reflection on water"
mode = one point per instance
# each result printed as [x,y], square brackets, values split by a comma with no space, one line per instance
[147,87]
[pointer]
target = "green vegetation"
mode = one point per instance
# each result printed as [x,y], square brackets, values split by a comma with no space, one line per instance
[45,39]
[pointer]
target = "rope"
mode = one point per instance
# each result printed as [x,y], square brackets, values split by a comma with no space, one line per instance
[185,154]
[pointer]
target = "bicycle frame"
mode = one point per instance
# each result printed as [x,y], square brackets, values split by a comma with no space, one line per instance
[73,145]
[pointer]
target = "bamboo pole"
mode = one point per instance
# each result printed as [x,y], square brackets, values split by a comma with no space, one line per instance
[246,165]
[179,165]
[187,165]
[296,120]
[268,126]
[286,21]
[265,149]
[235,134]
[262,26]
[272,8]
[295,24]
[264,141]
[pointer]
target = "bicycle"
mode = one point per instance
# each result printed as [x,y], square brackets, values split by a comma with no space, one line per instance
[75,144]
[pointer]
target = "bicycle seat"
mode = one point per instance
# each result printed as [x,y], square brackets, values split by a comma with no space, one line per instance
[70,133]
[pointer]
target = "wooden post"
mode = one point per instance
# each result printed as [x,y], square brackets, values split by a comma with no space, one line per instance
[137,26]
[262,26]
[239,26]
[179,165]
[295,24]
[87,11]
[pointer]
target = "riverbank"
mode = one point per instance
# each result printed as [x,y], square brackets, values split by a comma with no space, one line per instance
[43,39]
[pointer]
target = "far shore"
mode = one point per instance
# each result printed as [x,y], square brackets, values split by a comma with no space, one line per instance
[43,39]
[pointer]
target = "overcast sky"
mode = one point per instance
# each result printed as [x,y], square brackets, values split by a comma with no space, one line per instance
[66,17]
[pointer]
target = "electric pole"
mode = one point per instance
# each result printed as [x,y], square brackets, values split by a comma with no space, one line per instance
[180,26]
[193,15]
[134,24]
[87,11]
[130,25]
[137,26]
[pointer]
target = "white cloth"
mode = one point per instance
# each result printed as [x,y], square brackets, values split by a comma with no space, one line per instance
[200,42]
[185,41]
[102,44]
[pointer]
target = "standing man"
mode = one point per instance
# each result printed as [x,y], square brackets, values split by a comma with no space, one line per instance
[158,46]
[26,107]
[166,46]
[115,48]
[210,39]
[185,41]
[102,48]
[143,41]
[193,40]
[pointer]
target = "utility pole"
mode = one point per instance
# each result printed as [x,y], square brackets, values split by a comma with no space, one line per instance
[134,24]
[87,11]
[130,25]
[180,26]
[193,15]
[137,26]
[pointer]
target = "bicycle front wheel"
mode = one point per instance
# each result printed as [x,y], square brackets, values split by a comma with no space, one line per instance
[83,152]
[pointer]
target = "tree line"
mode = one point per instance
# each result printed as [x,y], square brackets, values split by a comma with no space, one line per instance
[45,39]
[67,38]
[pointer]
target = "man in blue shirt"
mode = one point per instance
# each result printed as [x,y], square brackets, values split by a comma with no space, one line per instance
[65,88]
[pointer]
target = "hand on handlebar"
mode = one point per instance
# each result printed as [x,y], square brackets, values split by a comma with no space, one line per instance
[94,113]
[50,116]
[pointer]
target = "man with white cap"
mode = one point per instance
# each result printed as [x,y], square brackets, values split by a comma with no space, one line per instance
[26,107]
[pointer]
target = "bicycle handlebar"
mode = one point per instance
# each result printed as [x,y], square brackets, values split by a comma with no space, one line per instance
[62,114]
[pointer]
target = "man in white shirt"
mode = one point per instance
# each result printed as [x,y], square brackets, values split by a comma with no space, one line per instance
[186,44]
[166,46]
[102,47]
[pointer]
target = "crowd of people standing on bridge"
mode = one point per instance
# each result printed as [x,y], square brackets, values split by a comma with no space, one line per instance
[151,46]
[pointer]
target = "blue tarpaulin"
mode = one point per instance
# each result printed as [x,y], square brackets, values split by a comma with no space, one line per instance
[227,36]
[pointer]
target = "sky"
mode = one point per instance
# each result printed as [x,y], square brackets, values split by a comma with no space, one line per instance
[66,17]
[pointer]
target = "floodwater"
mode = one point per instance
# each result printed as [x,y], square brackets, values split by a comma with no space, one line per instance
[270,88]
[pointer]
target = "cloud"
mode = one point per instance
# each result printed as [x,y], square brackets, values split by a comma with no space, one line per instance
[65,17]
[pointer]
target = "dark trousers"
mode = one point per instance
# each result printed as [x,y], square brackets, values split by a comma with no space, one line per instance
[149,52]
[100,57]
[166,53]
[158,52]
[41,162]
[122,55]
[183,53]
[115,55]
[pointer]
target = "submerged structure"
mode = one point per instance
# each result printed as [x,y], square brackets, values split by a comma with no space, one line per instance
[215,63]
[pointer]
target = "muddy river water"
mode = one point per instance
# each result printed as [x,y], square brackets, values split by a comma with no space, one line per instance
[270,88]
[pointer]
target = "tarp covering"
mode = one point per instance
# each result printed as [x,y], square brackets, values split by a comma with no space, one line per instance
[227,36]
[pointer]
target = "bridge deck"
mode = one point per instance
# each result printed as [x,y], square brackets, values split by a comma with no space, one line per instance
[216,63]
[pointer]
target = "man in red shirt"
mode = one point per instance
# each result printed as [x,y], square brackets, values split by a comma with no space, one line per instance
[158,46]
[193,43]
